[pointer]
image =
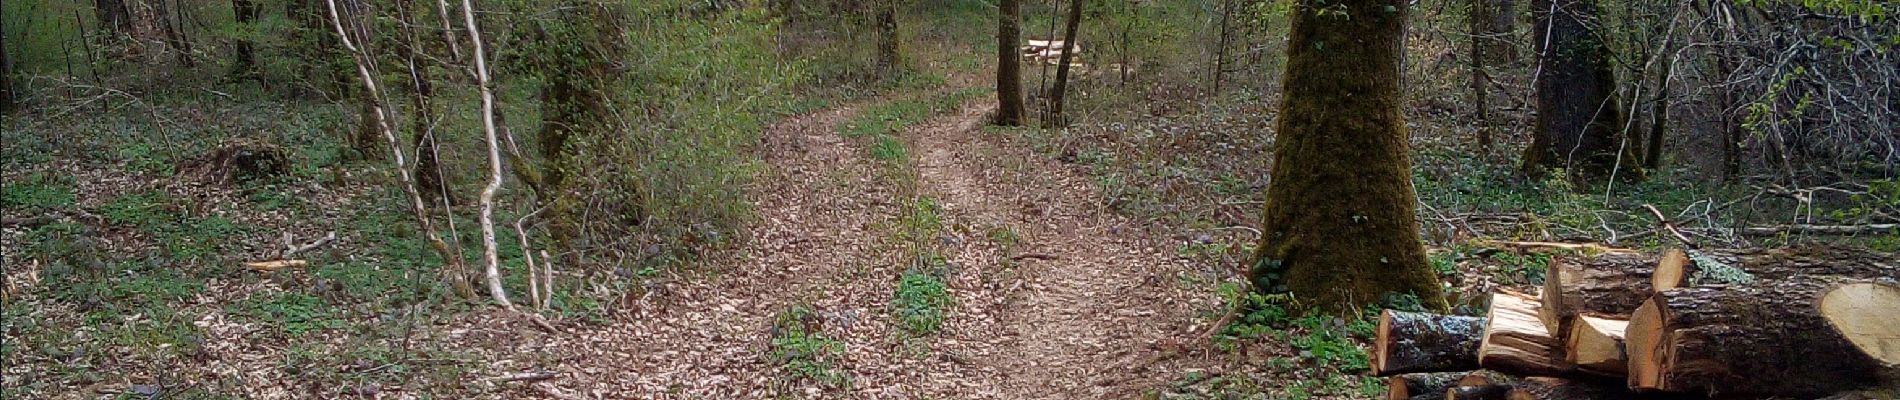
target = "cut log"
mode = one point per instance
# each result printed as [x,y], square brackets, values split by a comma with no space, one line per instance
[1595,345]
[1679,269]
[1611,284]
[1771,338]
[1868,315]
[1480,392]
[1565,389]
[1409,386]
[1516,342]
[1409,342]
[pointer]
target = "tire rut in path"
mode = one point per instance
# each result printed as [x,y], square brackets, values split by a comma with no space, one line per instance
[1086,302]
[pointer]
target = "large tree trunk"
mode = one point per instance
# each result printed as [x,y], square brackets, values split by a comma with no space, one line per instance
[1340,224]
[889,55]
[1611,284]
[1579,123]
[1777,338]
[1503,45]
[1410,342]
[1009,72]
[114,18]
[1054,115]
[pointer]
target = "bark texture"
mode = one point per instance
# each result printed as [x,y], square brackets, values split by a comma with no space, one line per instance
[1610,284]
[1412,386]
[1769,339]
[1054,116]
[1340,223]
[1410,342]
[889,55]
[1009,71]
[1579,122]
[245,12]
[1710,267]
[114,18]
[1484,392]
[1565,389]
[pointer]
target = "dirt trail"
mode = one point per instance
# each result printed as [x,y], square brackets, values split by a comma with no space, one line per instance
[1080,304]
[1073,309]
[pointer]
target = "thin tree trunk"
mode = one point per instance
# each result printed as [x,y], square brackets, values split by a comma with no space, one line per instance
[421,127]
[453,258]
[490,251]
[1659,118]
[1056,93]
[1009,74]
[7,99]
[1220,51]
[889,55]
[1481,22]
[1340,224]
[448,31]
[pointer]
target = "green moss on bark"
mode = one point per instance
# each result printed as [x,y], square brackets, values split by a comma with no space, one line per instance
[1340,223]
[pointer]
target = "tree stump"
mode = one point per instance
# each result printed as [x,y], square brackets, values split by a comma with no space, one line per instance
[238,160]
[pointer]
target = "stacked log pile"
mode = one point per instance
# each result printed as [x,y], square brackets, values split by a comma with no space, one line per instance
[1797,323]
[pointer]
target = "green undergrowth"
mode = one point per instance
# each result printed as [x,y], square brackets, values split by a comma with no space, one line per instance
[1306,355]
[801,348]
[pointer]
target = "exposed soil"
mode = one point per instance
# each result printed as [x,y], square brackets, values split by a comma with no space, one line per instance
[1082,305]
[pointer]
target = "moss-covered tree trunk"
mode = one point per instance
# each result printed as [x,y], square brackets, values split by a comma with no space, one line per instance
[580,48]
[245,12]
[1009,71]
[1579,120]
[1340,225]
[7,101]
[889,55]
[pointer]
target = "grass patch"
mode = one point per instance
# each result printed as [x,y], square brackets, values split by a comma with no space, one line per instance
[918,306]
[803,351]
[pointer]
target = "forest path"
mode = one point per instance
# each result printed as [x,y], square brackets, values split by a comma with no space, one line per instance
[1073,303]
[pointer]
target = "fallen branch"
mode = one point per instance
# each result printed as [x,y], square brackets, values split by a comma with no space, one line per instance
[274,265]
[523,377]
[1579,247]
[1670,226]
[1821,229]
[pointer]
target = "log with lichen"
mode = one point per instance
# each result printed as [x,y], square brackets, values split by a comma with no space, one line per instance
[1408,342]
[1688,268]
[1420,385]
[1796,337]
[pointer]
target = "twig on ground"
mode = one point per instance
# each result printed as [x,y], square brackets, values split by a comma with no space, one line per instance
[326,239]
[523,377]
